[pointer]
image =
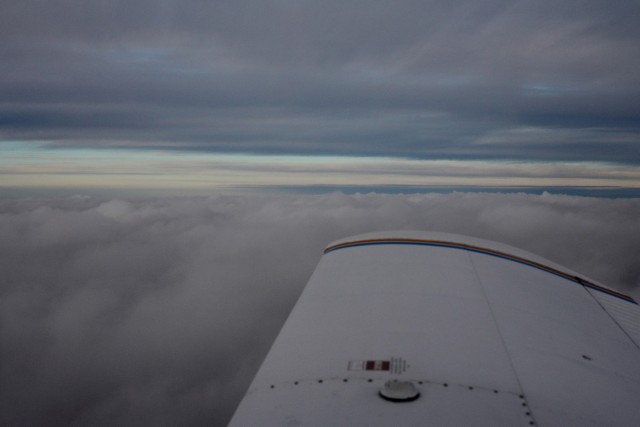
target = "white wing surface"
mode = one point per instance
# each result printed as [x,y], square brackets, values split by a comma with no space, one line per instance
[473,332]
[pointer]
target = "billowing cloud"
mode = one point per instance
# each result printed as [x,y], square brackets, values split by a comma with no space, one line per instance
[159,311]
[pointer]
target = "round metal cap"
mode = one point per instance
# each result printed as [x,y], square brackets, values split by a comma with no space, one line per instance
[399,391]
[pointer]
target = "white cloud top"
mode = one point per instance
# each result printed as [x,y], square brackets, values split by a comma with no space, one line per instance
[160,311]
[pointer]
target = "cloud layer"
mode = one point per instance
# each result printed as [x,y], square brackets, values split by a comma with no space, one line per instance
[422,79]
[159,311]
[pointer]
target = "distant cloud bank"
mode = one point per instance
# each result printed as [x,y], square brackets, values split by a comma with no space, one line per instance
[159,311]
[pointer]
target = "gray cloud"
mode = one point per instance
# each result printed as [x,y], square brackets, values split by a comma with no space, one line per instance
[427,79]
[160,311]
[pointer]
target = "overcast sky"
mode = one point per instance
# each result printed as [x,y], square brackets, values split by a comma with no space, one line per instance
[234,93]
[152,310]
[159,312]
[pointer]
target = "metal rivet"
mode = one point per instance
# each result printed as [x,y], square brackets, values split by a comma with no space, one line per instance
[521,396]
[527,413]
[524,404]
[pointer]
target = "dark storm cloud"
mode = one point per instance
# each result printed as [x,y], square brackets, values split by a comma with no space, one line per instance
[408,78]
[159,312]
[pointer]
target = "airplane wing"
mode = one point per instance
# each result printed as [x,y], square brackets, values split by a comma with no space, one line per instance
[415,328]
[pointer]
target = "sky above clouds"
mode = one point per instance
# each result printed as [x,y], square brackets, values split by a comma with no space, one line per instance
[159,311]
[212,94]
[122,310]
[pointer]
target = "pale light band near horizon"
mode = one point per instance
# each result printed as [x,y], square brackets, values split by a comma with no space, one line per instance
[35,165]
